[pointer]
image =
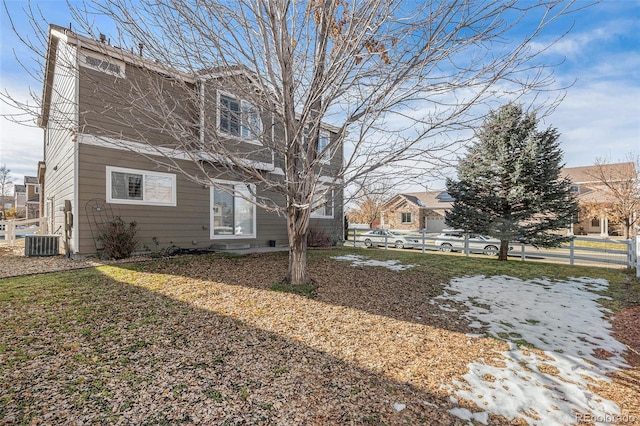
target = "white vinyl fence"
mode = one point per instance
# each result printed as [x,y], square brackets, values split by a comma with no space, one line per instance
[11,230]
[582,250]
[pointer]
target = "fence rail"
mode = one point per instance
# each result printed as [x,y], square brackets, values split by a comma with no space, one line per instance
[581,250]
[11,230]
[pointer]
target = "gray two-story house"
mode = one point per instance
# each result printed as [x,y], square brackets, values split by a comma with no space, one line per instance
[96,167]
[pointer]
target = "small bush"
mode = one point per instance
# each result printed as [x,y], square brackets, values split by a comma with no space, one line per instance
[118,238]
[318,238]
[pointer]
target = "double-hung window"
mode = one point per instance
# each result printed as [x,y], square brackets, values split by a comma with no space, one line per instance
[238,118]
[130,186]
[323,144]
[407,217]
[233,214]
[322,206]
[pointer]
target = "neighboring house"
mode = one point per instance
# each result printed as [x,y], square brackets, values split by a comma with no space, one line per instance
[426,210]
[32,197]
[416,210]
[20,200]
[594,197]
[6,202]
[88,178]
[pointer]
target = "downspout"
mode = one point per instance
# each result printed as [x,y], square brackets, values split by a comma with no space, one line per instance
[76,153]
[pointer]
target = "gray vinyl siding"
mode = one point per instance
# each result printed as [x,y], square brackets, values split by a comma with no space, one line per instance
[252,151]
[59,149]
[144,107]
[122,108]
[333,227]
[182,225]
[85,101]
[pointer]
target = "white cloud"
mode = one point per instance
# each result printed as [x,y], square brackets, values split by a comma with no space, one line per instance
[598,120]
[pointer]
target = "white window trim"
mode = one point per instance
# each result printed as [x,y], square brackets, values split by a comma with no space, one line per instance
[324,158]
[402,217]
[144,173]
[213,236]
[228,135]
[82,56]
[316,215]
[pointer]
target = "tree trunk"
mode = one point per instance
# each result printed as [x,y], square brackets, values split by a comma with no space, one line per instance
[297,226]
[627,228]
[504,250]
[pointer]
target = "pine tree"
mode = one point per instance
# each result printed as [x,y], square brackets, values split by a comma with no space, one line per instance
[509,183]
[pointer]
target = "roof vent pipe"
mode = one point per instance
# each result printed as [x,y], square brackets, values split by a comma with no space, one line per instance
[103,38]
[140,47]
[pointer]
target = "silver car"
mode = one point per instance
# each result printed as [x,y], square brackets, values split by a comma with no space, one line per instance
[378,237]
[454,241]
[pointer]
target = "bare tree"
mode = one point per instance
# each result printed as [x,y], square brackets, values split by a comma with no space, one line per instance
[6,183]
[400,82]
[368,202]
[621,189]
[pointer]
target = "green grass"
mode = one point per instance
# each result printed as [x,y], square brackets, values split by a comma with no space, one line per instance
[308,290]
[624,287]
[599,244]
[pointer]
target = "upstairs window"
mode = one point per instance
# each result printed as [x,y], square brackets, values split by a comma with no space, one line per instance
[238,118]
[102,63]
[323,143]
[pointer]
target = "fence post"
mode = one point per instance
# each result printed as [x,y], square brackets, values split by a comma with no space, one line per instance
[423,232]
[571,252]
[355,236]
[522,256]
[637,255]
[10,235]
[466,244]
[386,239]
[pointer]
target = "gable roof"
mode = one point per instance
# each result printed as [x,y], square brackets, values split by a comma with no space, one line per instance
[587,174]
[426,199]
[30,180]
[596,195]
[19,189]
[59,34]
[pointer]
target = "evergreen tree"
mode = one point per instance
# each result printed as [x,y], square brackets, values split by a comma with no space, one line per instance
[509,183]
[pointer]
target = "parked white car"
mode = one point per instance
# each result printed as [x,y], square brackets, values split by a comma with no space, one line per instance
[453,240]
[377,237]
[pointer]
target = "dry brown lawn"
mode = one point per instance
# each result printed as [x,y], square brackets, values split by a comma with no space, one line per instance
[204,340]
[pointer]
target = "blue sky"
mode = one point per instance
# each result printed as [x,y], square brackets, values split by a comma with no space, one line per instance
[599,117]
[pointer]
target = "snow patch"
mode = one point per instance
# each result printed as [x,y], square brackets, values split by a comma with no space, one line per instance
[566,322]
[358,260]
[464,414]
[399,407]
